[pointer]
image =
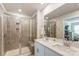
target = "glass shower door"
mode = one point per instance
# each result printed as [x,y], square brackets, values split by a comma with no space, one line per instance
[28,34]
[25,36]
[11,37]
[19,34]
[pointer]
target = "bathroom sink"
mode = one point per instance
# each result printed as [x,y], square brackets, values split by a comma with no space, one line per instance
[63,48]
[47,40]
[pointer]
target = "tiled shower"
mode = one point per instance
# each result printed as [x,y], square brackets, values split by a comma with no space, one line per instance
[17,34]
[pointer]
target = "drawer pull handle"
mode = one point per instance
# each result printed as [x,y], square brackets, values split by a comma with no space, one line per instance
[37,50]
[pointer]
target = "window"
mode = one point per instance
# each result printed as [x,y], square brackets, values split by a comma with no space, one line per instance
[76,29]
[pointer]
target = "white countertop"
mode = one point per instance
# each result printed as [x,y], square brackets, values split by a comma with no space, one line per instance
[59,47]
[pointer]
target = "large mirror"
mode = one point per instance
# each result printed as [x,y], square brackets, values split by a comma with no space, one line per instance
[71,29]
[50,27]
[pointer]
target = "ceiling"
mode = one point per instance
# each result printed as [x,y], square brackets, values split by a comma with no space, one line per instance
[64,9]
[27,8]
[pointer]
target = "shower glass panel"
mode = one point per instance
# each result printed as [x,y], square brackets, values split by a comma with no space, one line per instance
[18,35]
[25,36]
[11,37]
[28,34]
[0,35]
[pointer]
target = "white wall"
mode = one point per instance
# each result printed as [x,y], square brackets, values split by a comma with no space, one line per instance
[40,24]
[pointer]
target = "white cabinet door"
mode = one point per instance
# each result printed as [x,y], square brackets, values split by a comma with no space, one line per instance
[49,52]
[39,49]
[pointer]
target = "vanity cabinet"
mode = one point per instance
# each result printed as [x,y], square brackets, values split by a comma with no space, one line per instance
[41,50]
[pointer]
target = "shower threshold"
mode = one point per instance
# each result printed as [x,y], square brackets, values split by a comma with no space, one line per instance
[25,52]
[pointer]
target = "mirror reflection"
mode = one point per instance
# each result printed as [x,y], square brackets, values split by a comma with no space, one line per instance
[50,28]
[71,29]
